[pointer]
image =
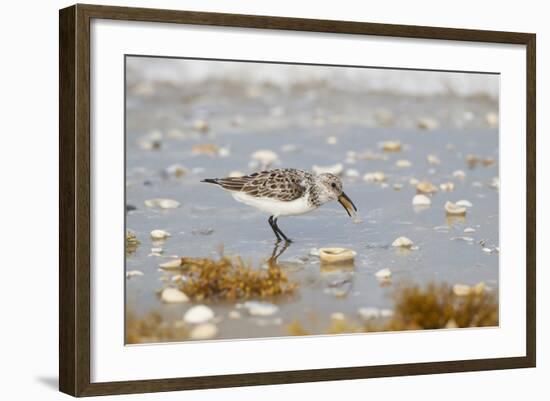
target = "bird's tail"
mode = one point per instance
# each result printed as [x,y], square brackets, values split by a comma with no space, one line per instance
[211,180]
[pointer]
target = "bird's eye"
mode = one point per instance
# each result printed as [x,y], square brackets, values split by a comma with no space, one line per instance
[333,185]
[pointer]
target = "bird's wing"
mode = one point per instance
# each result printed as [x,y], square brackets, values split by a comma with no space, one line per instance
[285,185]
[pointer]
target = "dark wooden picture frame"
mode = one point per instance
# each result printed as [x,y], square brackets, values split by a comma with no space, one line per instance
[74,202]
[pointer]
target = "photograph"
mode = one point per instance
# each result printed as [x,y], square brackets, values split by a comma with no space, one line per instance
[270,199]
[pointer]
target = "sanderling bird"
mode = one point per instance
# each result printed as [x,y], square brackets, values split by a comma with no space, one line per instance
[285,192]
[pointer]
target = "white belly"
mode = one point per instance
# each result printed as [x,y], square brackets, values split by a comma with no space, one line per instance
[275,207]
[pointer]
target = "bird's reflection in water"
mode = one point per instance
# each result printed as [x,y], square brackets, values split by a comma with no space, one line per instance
[279,248]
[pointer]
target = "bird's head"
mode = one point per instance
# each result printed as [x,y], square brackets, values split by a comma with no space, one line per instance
[330,187]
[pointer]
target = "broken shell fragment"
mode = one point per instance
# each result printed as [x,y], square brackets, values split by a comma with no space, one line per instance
[460,174]
[265,156]
[421,200]
[377,176]
[426,187]
[236,173]
[492,119]
[447,186]
[159,234]
[433,160]
[133,273]
[162,203]
[369,313]
[383,274]
[461,290]
[256,308]
[332,140]
[453,209]
[173,296]
[464,203]
[335,169]
[201,126]
[198,314]
[403,163]
[402,242]
[391,146]
[204,331]
[171,264]
[427,123]
[175,170]
[337,255]
[205,149]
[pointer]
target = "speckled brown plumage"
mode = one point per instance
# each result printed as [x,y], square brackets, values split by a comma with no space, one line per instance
[281,184]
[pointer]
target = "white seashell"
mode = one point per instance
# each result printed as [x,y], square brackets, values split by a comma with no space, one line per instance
[461,290]
[413,182]
[171,264]
[397,186]
[337,316]
[464,203]
[224,152]
[198,314]
[156,250]
[451,324]
[159,234]
[133,273]
[433,160]
[427,123]
[337,255]
[454,210]
[421,200]
[459,174]
[402,242]
[383,274]
[377,176]
[479,288]
[386,313]
[469,230]
[173,296]
[332,140]
[234,314]
[391,146]
[492,119]
[162,203]
[447,186]
[335,169]
[495,183]
[204,331]
[486,250]
[256,308]
[175,170]
[352,173]
[402,163]
[426,187]
[369,313]
[314,252]
[201,126]
[264,156]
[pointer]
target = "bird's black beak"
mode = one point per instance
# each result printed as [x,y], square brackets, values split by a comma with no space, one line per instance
[347,203]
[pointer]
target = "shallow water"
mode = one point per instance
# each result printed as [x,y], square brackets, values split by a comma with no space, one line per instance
[209,217]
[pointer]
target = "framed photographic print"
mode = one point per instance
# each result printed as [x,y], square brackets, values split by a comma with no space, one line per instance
[250,200]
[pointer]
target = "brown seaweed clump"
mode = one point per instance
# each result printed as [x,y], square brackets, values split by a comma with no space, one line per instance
[437,306]
[132,242]
[153,328]
[229,279]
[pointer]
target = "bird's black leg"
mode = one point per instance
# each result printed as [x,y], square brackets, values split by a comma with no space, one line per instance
[273,226]
[280,231]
